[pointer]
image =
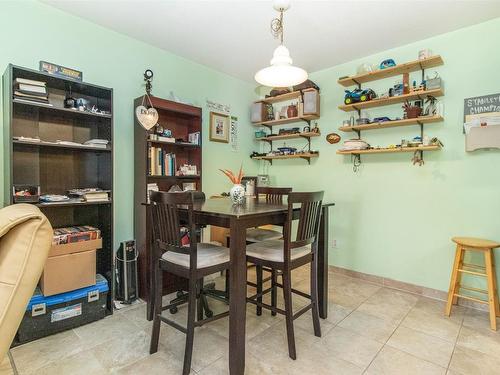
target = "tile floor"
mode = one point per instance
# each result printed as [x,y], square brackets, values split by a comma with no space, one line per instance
[370,330]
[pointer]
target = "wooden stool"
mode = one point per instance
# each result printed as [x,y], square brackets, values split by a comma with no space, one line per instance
[488,270]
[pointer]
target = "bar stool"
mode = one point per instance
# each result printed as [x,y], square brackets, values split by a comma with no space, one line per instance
[488,270]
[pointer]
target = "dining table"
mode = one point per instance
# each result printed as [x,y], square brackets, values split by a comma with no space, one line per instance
[237,218]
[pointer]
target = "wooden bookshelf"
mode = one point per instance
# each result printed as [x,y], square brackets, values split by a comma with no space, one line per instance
[408,67]
[57,168]
[395,123]
[389,150]
[306,135]
[181,119]
[419,95]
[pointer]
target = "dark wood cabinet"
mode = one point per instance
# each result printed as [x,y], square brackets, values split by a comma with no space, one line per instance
[181,119]
[55,167]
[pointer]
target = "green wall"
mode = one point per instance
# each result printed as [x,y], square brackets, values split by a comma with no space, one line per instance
[392,218]
[31,31]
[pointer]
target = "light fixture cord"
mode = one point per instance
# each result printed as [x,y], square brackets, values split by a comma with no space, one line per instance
[277,27]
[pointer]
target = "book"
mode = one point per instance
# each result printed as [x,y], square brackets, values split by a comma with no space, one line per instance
[29,82]
[32,88]
[33,101]
[30,94]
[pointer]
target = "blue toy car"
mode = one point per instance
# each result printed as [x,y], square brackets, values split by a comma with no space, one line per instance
[358,95]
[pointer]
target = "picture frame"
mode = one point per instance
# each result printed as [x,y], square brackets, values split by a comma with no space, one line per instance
[219,127]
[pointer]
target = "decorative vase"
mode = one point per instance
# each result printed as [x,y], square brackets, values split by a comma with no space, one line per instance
[237,194]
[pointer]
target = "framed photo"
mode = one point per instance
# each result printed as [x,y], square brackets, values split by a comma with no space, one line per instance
[219,127]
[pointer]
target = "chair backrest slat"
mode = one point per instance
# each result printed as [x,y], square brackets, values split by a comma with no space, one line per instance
[308,221]
[273,194]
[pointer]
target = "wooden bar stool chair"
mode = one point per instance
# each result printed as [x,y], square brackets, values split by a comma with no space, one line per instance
[488,270]
[286,255]
[192,262]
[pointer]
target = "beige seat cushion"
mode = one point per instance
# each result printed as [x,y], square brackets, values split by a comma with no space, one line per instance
[261,234]
[208,255]
[273,250]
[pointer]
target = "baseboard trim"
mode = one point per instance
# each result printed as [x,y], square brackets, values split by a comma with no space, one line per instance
[406,287]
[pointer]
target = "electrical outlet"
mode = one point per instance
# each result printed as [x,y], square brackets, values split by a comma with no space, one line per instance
[334,243]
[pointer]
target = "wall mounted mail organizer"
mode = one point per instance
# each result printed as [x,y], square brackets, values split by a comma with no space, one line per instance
[482,122]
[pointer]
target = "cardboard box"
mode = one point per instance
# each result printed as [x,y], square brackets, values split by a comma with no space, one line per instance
[69,267]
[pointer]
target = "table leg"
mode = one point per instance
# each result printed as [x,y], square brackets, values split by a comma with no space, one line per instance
[323,264]
[237,297]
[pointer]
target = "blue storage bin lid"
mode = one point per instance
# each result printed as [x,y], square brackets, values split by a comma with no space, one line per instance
[101,285]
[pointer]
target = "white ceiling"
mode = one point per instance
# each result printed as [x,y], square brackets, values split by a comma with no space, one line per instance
[234,36]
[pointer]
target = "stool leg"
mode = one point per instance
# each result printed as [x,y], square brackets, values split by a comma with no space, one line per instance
[453,281]
[497,304]
[459,276]
[492,299]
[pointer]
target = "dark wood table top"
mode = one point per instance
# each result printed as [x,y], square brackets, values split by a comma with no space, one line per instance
[252,207]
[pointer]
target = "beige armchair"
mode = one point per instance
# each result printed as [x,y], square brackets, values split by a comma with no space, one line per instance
[25,241]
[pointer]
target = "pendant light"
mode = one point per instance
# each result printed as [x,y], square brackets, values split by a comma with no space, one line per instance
[281,73]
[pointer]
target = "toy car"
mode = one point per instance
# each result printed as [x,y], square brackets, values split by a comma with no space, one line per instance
[358,95]
[389,63]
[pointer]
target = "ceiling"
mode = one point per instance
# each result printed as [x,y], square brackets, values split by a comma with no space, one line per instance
[233,36]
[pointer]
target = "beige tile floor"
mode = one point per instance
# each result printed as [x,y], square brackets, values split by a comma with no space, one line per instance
[370,330]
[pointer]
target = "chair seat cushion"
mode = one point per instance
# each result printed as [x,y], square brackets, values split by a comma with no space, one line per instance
[208,255]
[261,234]
[272,250]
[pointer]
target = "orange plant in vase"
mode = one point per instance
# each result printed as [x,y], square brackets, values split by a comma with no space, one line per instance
[237,192]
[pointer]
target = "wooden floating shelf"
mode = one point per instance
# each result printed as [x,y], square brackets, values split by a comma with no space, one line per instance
[392,124]
[391,100]
[284,97]
[62,146]
[408,67]
[61,109]
[389,150]
[294,156]
[289,120]
[289,136]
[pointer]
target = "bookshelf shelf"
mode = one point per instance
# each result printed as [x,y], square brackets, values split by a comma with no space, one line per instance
[40,106]
[61,146]
[72,203]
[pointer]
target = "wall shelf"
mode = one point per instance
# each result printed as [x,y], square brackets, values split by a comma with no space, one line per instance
[391,100]
[392,124]
[270,159]
[283,121]
[389,150]
[307,135]
[284,97]
[408,67]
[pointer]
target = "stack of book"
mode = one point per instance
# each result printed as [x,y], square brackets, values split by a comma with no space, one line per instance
[160,162]
[90,194]
[30,91]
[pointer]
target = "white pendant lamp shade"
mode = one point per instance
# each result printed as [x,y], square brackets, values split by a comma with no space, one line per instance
[281,73]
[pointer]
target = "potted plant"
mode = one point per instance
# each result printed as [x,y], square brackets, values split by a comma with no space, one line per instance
[237,192]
